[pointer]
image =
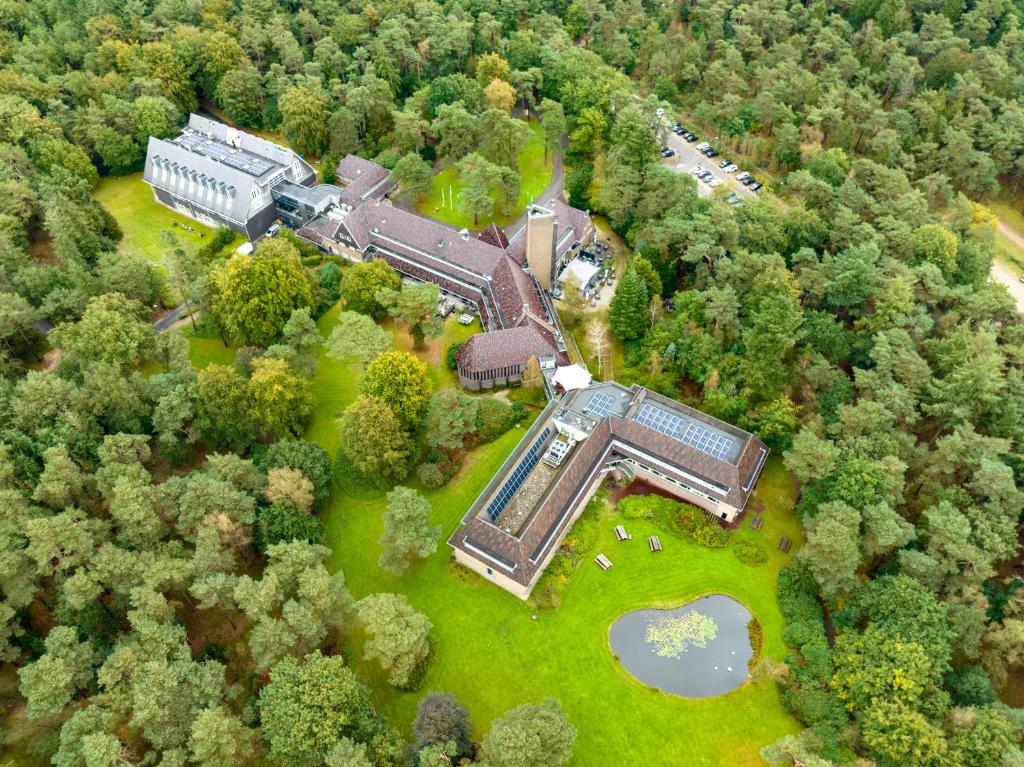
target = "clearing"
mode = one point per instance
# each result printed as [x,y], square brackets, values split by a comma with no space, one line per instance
[535,175]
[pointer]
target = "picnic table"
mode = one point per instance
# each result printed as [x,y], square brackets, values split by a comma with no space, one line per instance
[654,543]
[602,561]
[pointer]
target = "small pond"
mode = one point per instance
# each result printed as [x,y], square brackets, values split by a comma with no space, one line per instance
[698,650]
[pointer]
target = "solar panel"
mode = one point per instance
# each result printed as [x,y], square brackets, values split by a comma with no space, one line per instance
[694,435]
[599,404]
[518,476]
[707,441]
[661,420]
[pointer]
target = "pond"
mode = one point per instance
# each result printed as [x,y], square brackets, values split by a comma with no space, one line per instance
[698,650]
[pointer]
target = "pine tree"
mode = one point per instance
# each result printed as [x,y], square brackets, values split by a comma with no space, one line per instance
[627,313]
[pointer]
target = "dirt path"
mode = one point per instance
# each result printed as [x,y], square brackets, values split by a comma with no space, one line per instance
[1006,274]
[1003,273]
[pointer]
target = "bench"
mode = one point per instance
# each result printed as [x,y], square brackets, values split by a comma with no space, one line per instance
[602,561]
[654,543]
[620,533]
[784,544]
[757,522]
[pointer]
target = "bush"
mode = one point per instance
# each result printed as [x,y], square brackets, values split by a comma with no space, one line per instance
[312,260]
[493,419]
[576,547]
[349,479]
[452,356]
[519,412]
[432,475]
[220,239]
[750,553]
[798,634]
[675,518]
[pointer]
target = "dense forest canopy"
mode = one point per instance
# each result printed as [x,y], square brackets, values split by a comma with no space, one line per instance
[152,514]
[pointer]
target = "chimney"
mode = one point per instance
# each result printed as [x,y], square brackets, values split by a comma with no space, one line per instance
[540,244]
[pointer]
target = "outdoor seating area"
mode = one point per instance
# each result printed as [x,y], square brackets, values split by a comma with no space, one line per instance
[654,542]
[602,561]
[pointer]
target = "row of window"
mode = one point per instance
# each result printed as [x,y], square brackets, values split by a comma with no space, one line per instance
[489,375]
[673,480]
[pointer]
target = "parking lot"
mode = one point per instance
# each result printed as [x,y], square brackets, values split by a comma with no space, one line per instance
[687,157]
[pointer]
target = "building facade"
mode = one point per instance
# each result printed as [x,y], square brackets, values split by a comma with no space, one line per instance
[221,176]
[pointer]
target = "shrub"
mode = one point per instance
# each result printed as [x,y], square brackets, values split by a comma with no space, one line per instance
[432,475]
[750,553]
[797,634]
[452,356]
[519,412]
[493,419]
[349,479]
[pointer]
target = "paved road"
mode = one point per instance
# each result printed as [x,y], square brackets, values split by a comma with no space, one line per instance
[687,156]
[169,319]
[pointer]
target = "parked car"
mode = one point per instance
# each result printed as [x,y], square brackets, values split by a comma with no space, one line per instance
[669,153]
[742,176]
[702,146]
[732,198]
[748,180]
[465,319]
[723,163]
[715,182]
[691,137]
[756,186]
[711,153]
[731,167]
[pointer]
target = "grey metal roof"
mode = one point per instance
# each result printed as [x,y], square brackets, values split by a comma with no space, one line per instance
[200,179]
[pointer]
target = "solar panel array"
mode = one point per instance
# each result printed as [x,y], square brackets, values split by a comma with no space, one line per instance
[515,481]
[599,404]
[694,435]
[243,161]
[661,420]
[707,441]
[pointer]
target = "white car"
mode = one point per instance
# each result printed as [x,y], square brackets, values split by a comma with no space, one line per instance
[742,176]
[715,182]
[696,170]
[465,319]
[702,145]
[731,167]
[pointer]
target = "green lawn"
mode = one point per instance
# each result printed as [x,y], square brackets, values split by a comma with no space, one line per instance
[494,656]
[535,173]
[205,351]
[130,200]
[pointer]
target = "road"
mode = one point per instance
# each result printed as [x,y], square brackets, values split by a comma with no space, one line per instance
[687,156]
[1005,273]
[167,320]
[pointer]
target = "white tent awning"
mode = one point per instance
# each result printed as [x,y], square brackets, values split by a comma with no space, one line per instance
[571,377]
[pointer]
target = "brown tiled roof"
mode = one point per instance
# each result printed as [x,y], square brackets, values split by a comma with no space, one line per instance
[364,179]
[393,227]
[499,348]
[494,235]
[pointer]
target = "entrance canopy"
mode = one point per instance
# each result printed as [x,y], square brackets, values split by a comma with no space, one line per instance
[572,377]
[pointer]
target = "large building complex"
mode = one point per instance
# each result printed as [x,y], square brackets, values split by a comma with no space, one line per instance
[222,176]
[516,525]
[504,277]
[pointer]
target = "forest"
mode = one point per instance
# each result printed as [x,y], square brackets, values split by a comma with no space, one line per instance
[164,593]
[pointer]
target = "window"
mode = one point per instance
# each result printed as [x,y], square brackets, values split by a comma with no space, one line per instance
[490,571]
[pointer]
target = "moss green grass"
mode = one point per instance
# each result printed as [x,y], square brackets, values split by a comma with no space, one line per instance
[535,174]
[493,655]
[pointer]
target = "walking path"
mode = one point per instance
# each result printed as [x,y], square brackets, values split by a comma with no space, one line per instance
[1007,275]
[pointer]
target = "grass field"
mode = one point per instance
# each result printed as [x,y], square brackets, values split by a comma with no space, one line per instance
[535,173]
[493,655]
[130,200]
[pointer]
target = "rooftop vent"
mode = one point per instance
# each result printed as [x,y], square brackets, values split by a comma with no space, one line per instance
[464,233]
[440,243]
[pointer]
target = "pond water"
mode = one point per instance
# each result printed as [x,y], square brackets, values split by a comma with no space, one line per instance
[698,650]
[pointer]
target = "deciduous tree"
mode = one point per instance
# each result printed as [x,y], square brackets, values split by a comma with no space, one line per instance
[407,530]
[398,637]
